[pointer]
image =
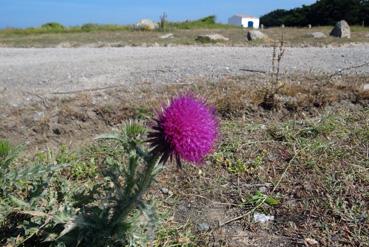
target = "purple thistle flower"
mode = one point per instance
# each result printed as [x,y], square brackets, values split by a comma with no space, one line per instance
[186,129]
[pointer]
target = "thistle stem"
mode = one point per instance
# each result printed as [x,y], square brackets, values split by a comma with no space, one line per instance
[132,196]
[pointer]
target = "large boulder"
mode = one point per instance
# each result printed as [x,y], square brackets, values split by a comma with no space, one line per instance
[255,35]
[209,38]
[318,35]
[341,30]
[146,24]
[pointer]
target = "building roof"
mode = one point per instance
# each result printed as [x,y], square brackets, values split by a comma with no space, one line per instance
[246,16]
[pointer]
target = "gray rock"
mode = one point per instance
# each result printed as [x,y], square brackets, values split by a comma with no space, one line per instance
[146,24]
[208,38]
[167,36]
[203,227]
[366,87]
[318,35]
[341,30]
[255,35]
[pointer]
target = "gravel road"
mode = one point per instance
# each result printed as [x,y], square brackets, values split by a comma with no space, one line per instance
[63,70]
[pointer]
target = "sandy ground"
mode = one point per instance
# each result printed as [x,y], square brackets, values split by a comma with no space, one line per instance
[28,72]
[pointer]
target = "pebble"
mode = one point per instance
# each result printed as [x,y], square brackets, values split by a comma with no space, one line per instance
[166,191]
[203,227]
[311,242]
[262,218]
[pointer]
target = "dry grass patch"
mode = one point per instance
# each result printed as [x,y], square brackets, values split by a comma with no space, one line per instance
[305,161]
[321,163]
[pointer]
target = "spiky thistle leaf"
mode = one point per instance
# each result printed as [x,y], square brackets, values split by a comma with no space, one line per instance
[8,153]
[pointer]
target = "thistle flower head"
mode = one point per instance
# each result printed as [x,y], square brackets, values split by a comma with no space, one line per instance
[186,129]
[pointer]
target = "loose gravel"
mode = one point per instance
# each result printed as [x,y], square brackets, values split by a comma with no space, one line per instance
[51,70]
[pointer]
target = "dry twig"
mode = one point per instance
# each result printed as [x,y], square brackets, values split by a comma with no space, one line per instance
[339,72]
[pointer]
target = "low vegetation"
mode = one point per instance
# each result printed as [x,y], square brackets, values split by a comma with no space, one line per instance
[54,27]
[79,199]
[204,23]
[304,161]
[120,37]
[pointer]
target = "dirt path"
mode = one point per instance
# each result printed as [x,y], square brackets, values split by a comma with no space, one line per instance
[25,72]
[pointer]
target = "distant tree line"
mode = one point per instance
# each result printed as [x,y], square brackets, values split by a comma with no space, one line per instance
[323,12]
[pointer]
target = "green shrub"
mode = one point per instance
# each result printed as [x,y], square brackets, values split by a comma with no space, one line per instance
[209,19]
[89,27]
[53,26]
[206,22]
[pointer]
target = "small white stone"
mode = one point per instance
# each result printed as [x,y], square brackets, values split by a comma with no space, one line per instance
[262,218]
[311,242]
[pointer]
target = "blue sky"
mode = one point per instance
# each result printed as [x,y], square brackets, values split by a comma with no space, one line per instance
[26,13]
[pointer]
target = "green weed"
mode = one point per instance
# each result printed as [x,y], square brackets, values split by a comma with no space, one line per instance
[259,198]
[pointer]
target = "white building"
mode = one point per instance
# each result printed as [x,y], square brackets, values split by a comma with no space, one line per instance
[244,21]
